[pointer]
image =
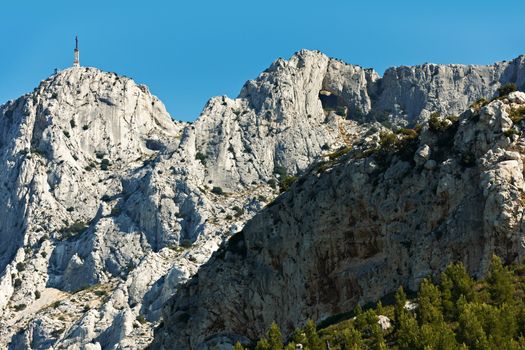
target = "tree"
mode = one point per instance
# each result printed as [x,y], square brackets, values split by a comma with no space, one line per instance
[263,344]
[429,298]
[274,337]
[399,308]
[313,342]
[238,346]
[500,282]
[407,332]
[471,330]
[455,282]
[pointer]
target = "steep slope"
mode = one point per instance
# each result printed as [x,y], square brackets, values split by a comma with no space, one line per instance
[108,205]
[352,229]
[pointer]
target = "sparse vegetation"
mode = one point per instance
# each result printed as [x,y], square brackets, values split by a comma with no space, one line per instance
[217,190]
[238,211]
[506,89]
[517,114]
[20,307]
[75,229]
[286,183]
[201,157]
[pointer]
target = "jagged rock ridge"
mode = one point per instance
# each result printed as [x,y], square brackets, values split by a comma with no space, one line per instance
[353,229]
[108,204]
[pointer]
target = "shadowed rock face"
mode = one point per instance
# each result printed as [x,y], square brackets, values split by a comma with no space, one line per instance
[357,229]
[107,203]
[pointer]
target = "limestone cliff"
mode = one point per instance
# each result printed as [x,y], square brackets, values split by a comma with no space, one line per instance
[354,228]
[108,204]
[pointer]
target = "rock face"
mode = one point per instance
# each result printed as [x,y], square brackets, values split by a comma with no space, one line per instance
[352,230]
[109,205]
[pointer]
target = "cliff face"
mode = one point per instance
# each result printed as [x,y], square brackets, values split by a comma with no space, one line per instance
[353,229]
[108,204]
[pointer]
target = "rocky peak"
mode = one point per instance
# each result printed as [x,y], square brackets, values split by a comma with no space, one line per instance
[357,226]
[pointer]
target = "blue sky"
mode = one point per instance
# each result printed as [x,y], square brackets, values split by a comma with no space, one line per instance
[187,52]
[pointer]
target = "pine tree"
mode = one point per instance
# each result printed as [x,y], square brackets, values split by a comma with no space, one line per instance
[500,282]
[313,342]
[407,332]
[399,308]
[351,339]
[378,341]
[263,344]
[429,298]
[471,330]
[455,282]
[238,346]
[274,337]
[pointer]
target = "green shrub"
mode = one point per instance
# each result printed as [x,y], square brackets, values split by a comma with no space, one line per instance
[286,183]
[20,307]
[20,266]
[85,127]
[517,114]
[201,157]
[66,133]
[482,102]
[436,123]
[238,211]
[141,319]
[75,229]
[506,89]
[217,190]
[72,123]
[18,283]
[37,294]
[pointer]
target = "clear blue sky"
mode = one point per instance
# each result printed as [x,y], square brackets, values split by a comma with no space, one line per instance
[189,51]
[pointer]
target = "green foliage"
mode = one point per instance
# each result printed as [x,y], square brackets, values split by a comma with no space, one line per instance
[217,190]
[506,89]
[201,157]
[75,229]
[286,183]
[500,283]
[482,102]
[437,124]
[238,346]
[517,114]
[454,313]
[340,152]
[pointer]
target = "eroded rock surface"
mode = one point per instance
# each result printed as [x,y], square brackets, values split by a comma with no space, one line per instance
[108,205]
[351,232]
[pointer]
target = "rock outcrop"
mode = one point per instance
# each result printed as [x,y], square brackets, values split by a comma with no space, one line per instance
[352,229]
[109,205]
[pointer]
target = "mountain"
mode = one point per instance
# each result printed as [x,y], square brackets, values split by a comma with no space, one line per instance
[109,205]
[354,228]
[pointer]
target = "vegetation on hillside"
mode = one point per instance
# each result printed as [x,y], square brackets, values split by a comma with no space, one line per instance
[452,312]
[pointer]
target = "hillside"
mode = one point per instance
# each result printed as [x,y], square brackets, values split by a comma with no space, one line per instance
[360,224]
[109,205]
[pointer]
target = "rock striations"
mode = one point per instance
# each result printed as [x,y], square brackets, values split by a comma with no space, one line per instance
[109,205]
[351,230]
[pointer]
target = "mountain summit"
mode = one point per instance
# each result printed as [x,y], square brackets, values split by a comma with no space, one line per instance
[109,204]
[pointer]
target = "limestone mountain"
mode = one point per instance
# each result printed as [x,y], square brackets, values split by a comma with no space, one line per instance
[108,205]
[355,227]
